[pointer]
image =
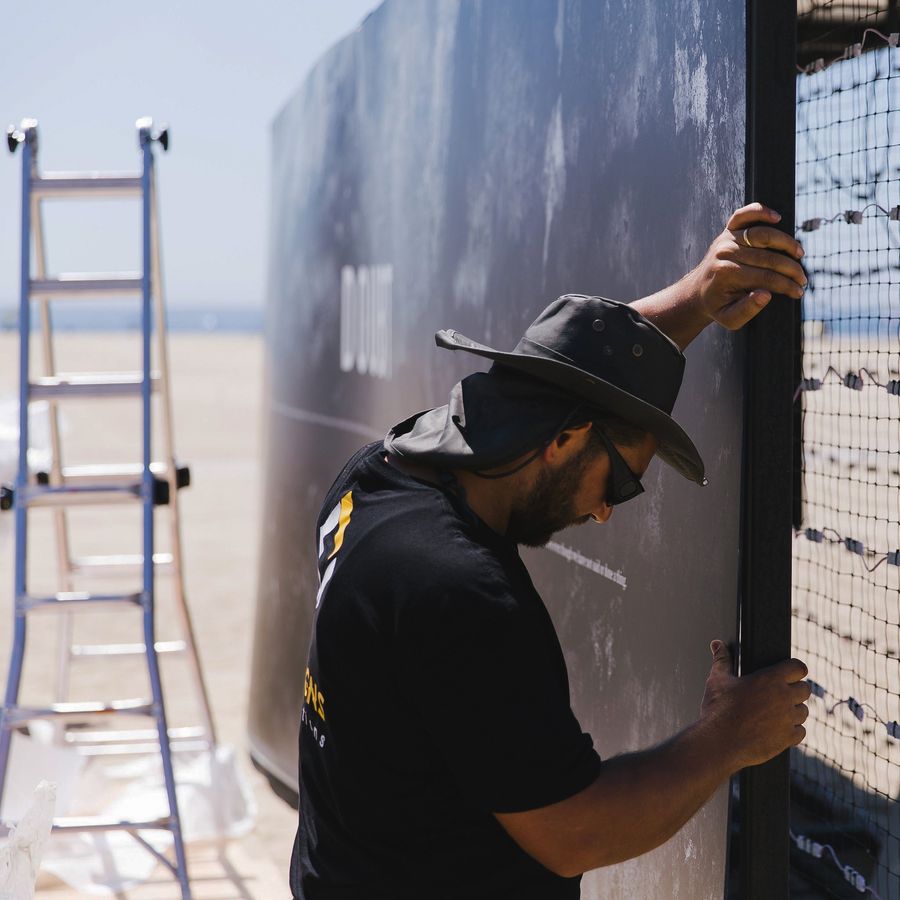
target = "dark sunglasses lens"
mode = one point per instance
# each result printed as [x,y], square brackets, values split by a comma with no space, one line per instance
[627,490]
[623,491]
[623,485]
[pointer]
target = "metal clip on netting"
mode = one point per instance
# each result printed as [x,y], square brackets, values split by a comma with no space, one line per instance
[850,217]
[818,850]
[816,688]
[856,707]
[892,557]
[856,381]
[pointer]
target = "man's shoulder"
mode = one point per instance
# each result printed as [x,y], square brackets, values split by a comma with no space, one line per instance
[415,533]
[444,571]
[388,507]
[423,547]
[424,530]
[347,476]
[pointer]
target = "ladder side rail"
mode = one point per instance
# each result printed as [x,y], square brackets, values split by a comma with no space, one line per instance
[148,510]
[17,653]
[50,371]
[168,432]
[65,625]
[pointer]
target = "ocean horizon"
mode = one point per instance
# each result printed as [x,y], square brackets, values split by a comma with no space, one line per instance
[116,317]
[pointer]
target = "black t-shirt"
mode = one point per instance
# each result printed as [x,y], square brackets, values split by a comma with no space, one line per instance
[436,693]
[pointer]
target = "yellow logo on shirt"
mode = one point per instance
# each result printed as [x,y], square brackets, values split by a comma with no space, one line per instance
[346,508]
[315,699]
[337,522]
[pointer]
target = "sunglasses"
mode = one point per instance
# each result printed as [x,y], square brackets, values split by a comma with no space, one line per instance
[623,483]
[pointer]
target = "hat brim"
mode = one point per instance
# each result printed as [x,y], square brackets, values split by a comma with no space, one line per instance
[675,447]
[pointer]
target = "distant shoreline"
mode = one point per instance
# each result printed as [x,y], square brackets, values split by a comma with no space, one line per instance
[114,317]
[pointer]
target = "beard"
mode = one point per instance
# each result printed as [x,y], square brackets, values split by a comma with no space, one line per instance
[550,505]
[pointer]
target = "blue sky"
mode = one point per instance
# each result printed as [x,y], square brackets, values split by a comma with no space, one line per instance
[217,72]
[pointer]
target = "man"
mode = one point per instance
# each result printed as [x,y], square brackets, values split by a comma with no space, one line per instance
[440,757]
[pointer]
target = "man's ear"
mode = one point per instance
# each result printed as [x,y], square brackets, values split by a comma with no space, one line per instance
[574,432]
[567,440]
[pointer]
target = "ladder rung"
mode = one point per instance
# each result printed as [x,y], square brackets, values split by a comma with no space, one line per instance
[66,600]
[120,566]
[143,741]
[188,746]
[73,823]
[15,715]
[93,284]
[87,651]
[90,495]
[90,385]
[132,736]
[86,184]
[95,486]
[105,474]
[126,474]
[112,474]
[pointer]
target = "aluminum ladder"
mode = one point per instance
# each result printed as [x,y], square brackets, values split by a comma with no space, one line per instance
[150,484]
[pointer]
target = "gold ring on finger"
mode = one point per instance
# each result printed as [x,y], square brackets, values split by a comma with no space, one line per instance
[745,238]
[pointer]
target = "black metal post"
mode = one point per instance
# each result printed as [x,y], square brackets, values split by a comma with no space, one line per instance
[769,464]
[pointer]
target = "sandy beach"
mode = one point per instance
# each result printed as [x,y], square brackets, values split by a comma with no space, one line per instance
[217,392]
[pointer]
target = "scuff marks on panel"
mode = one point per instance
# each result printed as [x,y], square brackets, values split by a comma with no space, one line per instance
[554,173]
[691,100]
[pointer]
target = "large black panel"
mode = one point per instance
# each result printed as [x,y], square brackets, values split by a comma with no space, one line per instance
[460,164]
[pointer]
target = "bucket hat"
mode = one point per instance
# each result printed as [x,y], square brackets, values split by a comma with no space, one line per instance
[580,351]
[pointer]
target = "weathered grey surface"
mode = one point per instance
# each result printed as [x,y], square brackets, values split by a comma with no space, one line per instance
[495,155]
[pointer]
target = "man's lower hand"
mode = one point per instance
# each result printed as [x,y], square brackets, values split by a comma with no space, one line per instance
[759,715]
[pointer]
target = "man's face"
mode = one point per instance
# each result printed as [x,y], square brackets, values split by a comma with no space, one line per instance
[571,493]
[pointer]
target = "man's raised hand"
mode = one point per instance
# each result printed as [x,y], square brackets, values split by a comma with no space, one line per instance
[745,265]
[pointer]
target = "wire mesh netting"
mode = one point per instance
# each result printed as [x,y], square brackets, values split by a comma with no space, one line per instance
[846,584]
